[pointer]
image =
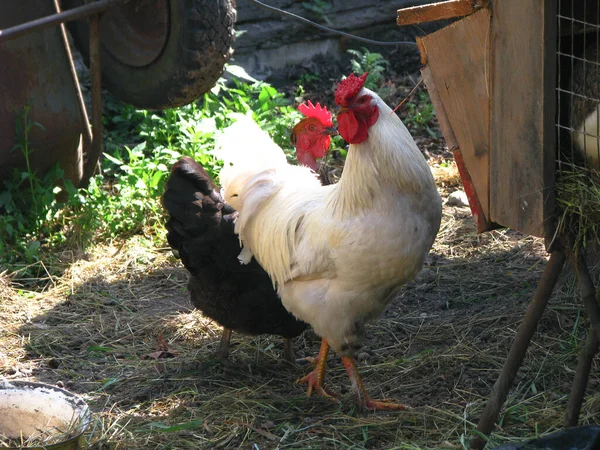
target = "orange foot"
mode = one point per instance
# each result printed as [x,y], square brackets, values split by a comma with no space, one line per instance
[315,379]
[387,404]
[315,384]
[362,398]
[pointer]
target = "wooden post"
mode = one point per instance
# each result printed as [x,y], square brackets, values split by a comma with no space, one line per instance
[580,380]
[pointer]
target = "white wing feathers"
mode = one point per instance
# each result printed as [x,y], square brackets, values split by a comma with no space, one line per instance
[272,196]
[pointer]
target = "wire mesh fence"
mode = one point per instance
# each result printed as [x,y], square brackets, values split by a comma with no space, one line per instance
[578,84]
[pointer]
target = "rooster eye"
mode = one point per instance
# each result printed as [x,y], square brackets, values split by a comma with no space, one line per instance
[312,127]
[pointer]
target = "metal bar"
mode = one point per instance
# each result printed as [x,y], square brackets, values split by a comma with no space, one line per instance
[96,79]
[581,379]
[55,19]
[519,347]
[87,131]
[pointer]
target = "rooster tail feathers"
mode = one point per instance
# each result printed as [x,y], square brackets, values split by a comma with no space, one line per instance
[186,174]
[192,201]
[245,148]
[244,142]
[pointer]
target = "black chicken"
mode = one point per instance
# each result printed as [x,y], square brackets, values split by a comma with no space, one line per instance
[201,230]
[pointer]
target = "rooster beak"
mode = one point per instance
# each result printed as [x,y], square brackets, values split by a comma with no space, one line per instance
[331,131]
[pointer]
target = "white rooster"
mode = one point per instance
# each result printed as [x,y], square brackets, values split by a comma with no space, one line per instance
[336,253]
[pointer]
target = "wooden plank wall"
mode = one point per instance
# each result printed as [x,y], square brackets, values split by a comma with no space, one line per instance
[458,57]
[522,135]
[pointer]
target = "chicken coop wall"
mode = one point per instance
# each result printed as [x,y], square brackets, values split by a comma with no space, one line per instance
[522,112]
[578,84]
[494,76]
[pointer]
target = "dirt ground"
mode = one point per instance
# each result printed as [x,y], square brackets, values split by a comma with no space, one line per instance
[117,328]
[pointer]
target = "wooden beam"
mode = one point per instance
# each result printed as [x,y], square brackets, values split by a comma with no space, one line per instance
[522,130]
[436,11]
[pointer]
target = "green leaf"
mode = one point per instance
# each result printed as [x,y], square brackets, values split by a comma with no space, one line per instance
[9,229]
[113,159]
[33,247]
[5,199]
[109,382]
[161,427]
[156,179]
[98,348]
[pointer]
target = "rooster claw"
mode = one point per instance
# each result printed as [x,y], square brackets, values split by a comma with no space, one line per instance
[316,387]
[386,404]
[307,360]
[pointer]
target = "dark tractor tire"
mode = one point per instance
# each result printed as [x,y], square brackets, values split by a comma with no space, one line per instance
[157,54]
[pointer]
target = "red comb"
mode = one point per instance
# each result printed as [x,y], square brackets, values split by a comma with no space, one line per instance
[318,112]
[348,88]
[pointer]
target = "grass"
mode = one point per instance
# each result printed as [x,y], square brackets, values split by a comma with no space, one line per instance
[578,205]
[107,315]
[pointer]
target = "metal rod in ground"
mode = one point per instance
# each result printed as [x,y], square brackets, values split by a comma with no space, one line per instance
[66,16]
[87,131]
[587,290]
[581,379]
[519,347]
[96,79]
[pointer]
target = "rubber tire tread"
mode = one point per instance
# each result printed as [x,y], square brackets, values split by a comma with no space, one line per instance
[201,33]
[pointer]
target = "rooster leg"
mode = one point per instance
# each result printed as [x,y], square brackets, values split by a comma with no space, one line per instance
[288,349]
[223,351]
[362,398]
[316,378]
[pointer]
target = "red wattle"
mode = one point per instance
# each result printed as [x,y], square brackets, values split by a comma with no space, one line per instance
[352,129]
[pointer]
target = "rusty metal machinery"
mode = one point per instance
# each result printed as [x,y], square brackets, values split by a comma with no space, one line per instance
[155,54]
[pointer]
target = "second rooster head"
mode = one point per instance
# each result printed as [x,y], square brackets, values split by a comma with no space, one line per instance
[312,135]
[358,109]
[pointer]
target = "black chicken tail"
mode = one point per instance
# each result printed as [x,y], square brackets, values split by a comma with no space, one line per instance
[201,229]
[197,211]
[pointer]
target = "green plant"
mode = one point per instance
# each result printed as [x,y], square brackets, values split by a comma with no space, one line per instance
[420,114]
[140,148]
[373,63]
[127,200]
[28,207]
[308,78]
[23,127]
[319,8]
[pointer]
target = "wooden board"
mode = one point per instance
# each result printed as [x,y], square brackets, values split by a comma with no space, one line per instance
[452,144]
[522,141]
[458,57]
[435,11]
